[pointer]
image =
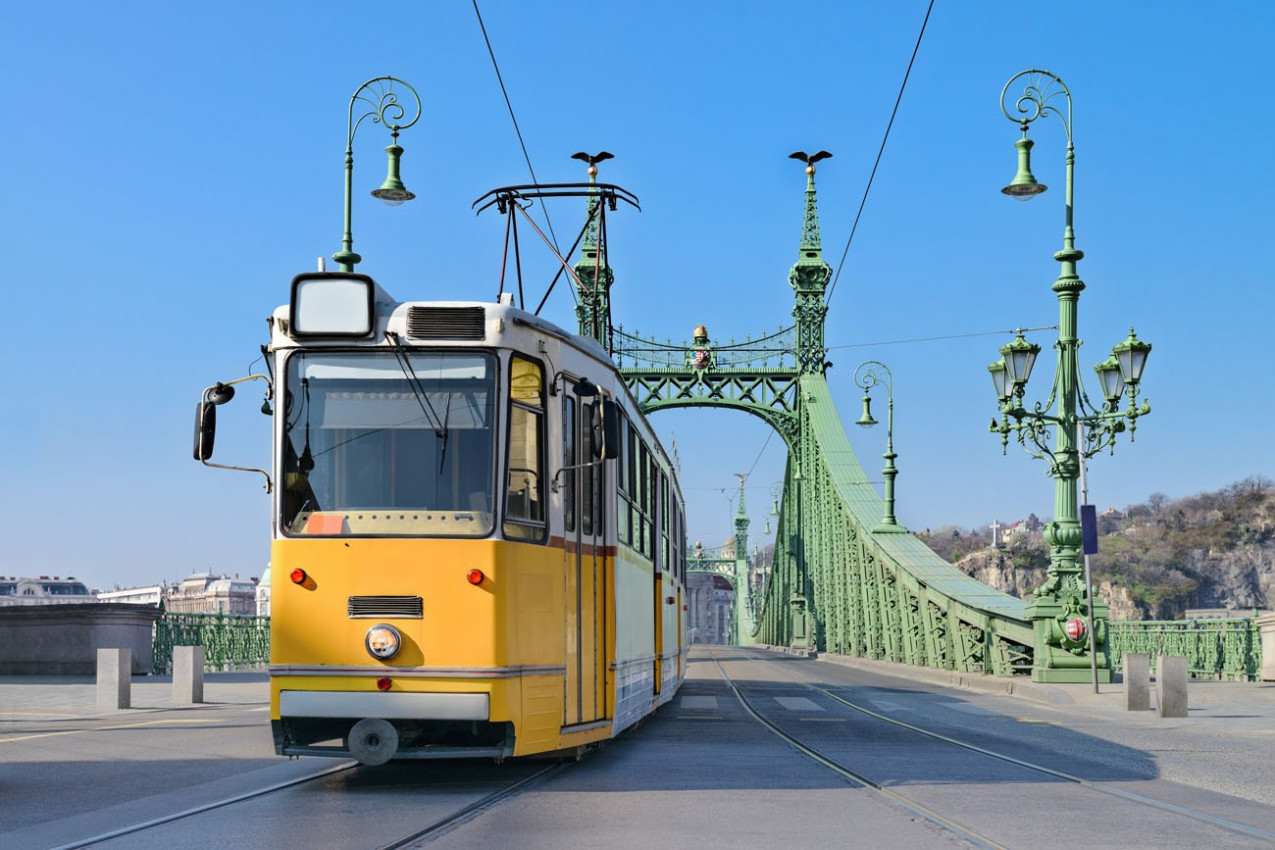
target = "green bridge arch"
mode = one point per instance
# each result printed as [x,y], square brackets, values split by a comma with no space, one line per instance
[835,584]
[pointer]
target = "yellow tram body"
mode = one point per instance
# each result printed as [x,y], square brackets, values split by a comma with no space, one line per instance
[535,607]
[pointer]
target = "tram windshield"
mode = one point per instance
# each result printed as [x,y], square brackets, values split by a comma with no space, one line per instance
[388,443]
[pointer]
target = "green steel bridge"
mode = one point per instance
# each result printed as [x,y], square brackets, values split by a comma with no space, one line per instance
[840,581]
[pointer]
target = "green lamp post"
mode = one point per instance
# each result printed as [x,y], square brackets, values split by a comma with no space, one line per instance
[866,376]
[1062,610]
[384,108]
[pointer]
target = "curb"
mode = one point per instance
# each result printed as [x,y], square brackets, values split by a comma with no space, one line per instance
[980,682]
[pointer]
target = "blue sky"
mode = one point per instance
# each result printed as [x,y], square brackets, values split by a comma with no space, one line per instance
[168,167]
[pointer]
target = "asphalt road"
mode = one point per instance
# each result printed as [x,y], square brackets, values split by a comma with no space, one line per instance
[703,772]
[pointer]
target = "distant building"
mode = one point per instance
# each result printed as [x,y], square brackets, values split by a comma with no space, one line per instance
[150,595]
[711,608]
[1022,526]
[1220,613]
[205,593]
[263,594]
[43,590]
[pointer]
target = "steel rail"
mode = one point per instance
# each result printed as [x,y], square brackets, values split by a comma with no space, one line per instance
[1058,774]
[1099,787]
[475,808]
[857,778]
[454,819]
[207,807]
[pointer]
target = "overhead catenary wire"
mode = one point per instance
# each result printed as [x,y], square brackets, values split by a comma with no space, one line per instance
[885,138]
[943,338]
[517,130]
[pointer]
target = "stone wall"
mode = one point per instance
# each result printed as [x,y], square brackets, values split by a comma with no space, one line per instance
[63,640]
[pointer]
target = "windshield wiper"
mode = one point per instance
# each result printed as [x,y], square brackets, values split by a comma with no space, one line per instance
[405,363]
[442,449]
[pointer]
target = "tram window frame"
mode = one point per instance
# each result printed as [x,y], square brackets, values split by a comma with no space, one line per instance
[665,522]
[588,477]
[644,497]
[526,529]
[285,460]
[679,540]
[569,459]
[623,502]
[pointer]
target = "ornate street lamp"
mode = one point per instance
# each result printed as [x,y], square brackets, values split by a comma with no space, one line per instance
[380,96]
[1067,416]
[866,376]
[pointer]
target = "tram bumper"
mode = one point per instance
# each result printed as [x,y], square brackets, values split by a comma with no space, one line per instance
[377,727]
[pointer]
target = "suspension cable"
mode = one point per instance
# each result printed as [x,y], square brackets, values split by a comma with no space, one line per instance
[868,188]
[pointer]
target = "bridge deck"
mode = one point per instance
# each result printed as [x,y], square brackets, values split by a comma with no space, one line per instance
[702,764]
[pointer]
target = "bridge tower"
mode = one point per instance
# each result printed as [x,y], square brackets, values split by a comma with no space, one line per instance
[836,582]
[593,274]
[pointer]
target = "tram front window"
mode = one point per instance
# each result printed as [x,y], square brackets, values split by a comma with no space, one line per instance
[388,443]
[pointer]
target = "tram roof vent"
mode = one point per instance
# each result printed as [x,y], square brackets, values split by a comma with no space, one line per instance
[446,323]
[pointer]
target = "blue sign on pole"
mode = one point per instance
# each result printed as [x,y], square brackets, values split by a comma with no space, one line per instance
[1088,530]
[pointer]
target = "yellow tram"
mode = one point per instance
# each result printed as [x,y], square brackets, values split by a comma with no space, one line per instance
[478,541]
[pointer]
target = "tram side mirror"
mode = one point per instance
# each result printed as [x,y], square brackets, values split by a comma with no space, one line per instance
[205,429]
[604,431]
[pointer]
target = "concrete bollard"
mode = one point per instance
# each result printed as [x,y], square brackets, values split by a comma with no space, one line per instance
[1170,686]
[188,675]
[1266,634]
[1137,681]
[114,678]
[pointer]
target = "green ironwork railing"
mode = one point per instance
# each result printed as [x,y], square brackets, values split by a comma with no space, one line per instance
[1229,649]
[839,584]
[229,642]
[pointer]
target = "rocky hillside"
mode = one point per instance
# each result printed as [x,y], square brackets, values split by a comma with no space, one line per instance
[1155,560]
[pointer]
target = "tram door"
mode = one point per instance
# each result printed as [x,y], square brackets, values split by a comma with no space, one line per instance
[584,567]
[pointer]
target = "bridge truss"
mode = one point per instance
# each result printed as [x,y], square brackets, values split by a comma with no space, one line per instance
[835,583]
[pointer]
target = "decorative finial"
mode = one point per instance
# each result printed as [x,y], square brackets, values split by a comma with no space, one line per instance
[593,160]
[809,160]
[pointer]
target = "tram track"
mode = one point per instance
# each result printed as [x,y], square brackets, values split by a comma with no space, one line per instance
[474,809]
[915,807]
[854,776]
[143,826]
[436,827]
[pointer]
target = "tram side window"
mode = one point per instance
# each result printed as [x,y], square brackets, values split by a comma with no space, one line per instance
[623,506]
[524,499]
[645,492]
[679,541]
[665,522]
[589,481]
[569,460]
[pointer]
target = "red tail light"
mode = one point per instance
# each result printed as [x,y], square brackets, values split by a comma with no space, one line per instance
[383,683]
[475,577]
[298,576]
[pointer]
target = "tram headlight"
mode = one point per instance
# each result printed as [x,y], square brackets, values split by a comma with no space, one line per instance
[333,304]
[383,641]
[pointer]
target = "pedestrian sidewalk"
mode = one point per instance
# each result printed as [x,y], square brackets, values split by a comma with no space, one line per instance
[1236,702]
[65,697]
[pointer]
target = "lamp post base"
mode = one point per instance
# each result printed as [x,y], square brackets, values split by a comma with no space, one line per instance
[1060,656]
